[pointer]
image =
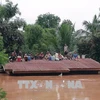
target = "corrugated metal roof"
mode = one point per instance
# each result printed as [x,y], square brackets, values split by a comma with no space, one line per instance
[53,66]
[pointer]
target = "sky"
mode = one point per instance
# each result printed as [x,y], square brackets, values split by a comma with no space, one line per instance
[75,10]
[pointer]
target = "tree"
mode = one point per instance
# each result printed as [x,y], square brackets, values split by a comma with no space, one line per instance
[33,34]
[40,39]
[3,56]
[48,20]
[9,10]
[50,40]
[66,32]
[91,38]
[9,26]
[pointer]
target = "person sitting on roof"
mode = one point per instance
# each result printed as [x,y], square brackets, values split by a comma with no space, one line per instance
[36,56]
[75,56]
[56,56]
[48,55]
[25,57]
[60,56]
[69,56]
[29,57]
[41,55]
[12,58]
[32,56]
[19,58]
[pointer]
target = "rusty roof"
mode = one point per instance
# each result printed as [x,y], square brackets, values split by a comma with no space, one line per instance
[52,66]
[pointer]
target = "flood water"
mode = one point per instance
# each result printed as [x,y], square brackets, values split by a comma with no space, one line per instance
[69,87]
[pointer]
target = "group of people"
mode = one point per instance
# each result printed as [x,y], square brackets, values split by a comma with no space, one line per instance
[55,57]
[15,57]
[48,56]
[19,57]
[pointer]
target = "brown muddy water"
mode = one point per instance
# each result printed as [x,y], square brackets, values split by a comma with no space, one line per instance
[69,87]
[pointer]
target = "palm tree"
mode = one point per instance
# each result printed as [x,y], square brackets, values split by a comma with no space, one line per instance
[91,37]
[66,32]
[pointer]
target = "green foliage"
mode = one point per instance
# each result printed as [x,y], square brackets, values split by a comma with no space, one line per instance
[10,10]
[41,39]
[50,39]
[66,32]
[25,49]
[9,27]
[3,58]
[1,43]
[33,34]
[48,20]
[36,48]
[90,43]
[2,94]
[84,47]
[95,49]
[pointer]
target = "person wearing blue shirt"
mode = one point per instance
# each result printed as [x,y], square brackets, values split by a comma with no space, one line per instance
[29,57]
[75,56]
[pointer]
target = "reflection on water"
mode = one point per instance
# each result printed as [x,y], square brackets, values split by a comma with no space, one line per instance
[40,90]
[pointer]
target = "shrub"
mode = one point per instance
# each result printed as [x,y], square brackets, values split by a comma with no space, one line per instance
[2,94]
